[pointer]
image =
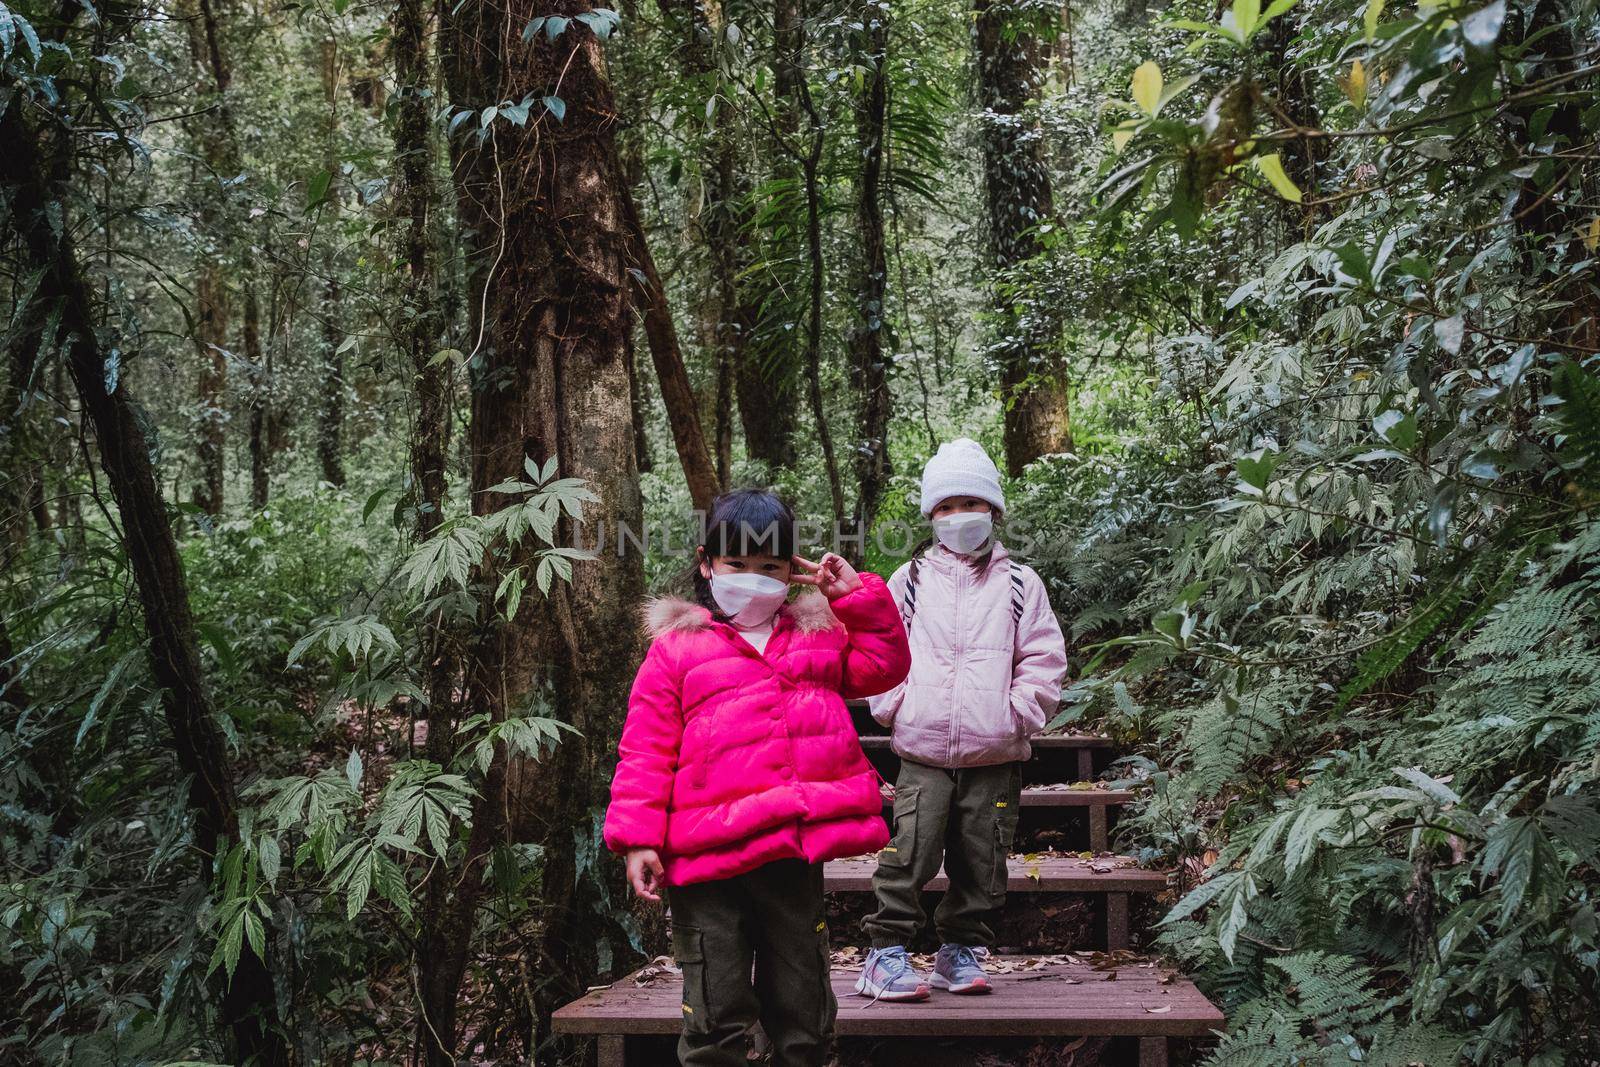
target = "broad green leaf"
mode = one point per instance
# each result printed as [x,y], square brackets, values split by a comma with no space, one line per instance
[1246,17]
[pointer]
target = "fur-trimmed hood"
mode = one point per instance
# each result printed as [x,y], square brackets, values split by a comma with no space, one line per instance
[664,614]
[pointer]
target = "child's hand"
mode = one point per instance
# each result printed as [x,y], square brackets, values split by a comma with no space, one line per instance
[644,872]
[833,577]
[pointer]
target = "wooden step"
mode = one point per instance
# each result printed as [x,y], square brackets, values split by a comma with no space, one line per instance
[1044,874]
[1038,740]
[1041,796]
[1046,996]
[1081,746]
[1111,877]
[1096,800]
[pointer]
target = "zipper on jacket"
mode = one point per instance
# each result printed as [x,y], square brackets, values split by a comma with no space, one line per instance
[961,570]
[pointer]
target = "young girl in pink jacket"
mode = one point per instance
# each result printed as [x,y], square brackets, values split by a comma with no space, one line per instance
[987,660]
[741,774]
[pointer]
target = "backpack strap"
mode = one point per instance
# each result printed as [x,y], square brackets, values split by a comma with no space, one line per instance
[910,610]
[1016,593]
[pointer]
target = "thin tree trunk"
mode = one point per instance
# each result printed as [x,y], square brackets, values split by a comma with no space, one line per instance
[260,483]
[219,149]
[869,361]
[677,394]
[1011,63]
[764,366]
[421,324]
[21,470]
[248,1004]
[810,170]
[330,418]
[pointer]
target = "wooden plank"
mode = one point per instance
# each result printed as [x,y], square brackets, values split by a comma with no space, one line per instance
[1060,999]
[1046,874]
[1078,741]
[1042,797]
[613,1051]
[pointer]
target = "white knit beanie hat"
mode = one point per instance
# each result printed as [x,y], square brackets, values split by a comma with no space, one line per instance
[961,468]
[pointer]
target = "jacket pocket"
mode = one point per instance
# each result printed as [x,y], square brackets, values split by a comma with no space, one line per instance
[688,951]
[897,853]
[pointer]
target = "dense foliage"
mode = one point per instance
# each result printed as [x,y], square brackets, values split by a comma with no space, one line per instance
[1321,276]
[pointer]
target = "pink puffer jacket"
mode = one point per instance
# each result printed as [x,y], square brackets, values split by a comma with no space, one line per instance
[731,758]
[987,660]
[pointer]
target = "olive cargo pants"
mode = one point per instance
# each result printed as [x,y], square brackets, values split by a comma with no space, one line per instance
[964,818]
[772,922]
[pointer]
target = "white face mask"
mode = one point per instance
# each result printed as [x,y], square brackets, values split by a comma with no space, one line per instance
[748,599]
[964,532]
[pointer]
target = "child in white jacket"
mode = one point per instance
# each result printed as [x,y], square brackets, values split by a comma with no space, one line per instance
[987,661]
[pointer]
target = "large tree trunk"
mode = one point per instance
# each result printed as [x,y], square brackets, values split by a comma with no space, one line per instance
[330,415]
[219,151]
[248,1005]
[551,382]
[1011,61]
[869,361]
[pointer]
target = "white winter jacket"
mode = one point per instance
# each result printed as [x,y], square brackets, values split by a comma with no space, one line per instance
[987,661]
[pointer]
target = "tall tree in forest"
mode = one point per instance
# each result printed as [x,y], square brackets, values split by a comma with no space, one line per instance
[550,391]
[248,1002]
[1012,59]
[677,394]
[219,154]
[869,359]
[765,369]
[698,30]
[421,325]
[260,385]
[330,414]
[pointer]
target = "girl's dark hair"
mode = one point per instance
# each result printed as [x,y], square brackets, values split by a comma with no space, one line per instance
[743,522]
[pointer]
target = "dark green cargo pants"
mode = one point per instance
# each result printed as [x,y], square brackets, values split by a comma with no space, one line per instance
[965,819]
[754,948]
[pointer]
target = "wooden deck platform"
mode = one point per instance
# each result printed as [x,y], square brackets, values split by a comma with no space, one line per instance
[1060,996]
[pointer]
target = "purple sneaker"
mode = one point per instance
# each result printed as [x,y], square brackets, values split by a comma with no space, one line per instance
[889,975]
[957,968]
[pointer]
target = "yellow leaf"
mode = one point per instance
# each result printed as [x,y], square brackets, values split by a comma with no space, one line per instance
[1122,135]
[1591,240]
[1147,87]
[1355,86]
[1369,20]
[1271,166]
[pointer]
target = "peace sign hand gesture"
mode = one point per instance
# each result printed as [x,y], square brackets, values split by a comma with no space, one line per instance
[833,576]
